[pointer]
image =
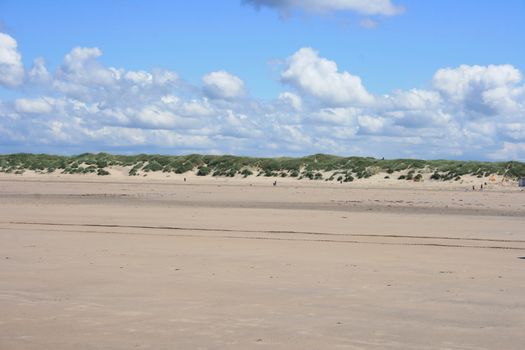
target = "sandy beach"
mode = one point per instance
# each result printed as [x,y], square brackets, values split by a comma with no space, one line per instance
[158,263]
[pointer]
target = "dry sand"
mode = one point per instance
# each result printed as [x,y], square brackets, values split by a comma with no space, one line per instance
[156,263]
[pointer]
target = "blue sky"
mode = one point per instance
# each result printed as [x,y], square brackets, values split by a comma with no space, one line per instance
[265,103]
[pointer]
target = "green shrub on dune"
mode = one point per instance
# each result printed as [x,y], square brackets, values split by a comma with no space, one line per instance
[102,172]
[203,171]
[246,172]
[311,167]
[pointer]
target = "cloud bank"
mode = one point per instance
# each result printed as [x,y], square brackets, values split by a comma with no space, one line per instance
[474,112]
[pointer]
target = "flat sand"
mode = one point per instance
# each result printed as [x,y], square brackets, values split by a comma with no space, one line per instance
[159,263]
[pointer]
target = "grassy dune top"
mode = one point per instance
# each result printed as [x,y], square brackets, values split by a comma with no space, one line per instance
[318,166]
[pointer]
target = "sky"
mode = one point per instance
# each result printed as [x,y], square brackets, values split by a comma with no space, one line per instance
[384,78]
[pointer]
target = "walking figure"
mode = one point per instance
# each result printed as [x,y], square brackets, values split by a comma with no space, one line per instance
[275,183]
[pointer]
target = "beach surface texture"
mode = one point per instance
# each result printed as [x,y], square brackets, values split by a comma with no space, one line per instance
[188,262]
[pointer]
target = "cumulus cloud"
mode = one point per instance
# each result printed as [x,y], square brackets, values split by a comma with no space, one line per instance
[81,74]
[222,84]
[371,124]
[414,99]
[84,105]
[367,7]
[292,99]
[11,68]
[336,116]
[81,66]
[196,108]
[482,89]
[509,150]
[34,106]
[38,73]
[83,77]
[140,77]
[319,77]
[154,117]
[165,77]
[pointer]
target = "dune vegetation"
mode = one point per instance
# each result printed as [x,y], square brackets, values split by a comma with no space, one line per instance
[315,167]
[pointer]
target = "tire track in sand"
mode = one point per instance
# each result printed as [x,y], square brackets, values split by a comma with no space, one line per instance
[425,240]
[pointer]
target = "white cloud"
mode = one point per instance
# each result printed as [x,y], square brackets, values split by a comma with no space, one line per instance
[190,108]
[170,100]
[478,88]
[367,7]
[82,76]
[459,82]
[320,78]
[34,106]
[81,66]
[509,150]
[512,131]
[239,125]
[371,124]
[414,99]
[139,77]
[38,73]
[336,116]
[11,68]
[165,77]
[290,137]
[154,117]
[133,137]
[293,99]
[222,84]
[197,108]
[506,100]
